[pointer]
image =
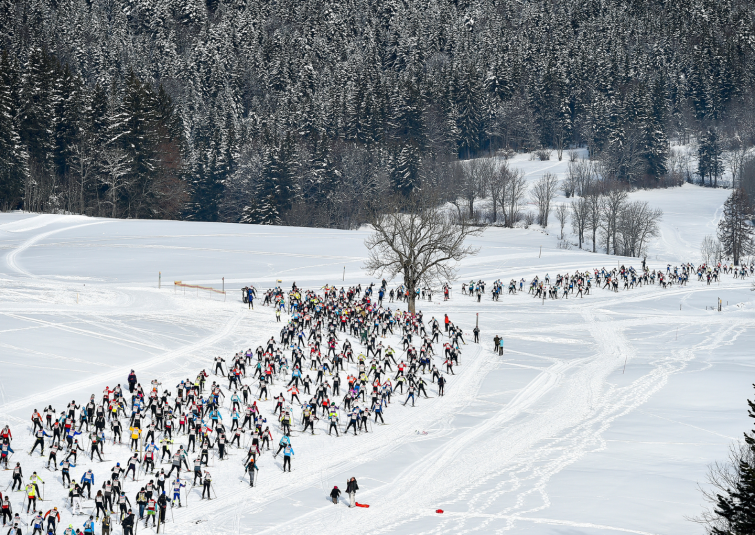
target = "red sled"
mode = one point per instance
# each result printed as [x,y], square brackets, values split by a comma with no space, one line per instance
[361,505]
[439,510]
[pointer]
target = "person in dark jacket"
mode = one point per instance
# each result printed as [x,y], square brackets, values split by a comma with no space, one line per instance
[351,490]
[162,501]
[334,494]
[128,523]
[131,381]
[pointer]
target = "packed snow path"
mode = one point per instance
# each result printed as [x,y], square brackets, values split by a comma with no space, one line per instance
[553,437]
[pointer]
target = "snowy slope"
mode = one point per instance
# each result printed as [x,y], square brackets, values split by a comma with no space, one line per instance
[600,417]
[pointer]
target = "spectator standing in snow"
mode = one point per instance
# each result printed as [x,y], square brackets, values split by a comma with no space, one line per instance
[351,490]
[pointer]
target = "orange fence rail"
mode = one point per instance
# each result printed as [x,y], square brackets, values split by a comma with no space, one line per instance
[179,284]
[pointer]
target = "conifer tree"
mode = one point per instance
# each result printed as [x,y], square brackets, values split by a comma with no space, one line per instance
[737,507]
[709,157]
[37,111]
[655,139]
[734,231]
[469,119]
[13,156]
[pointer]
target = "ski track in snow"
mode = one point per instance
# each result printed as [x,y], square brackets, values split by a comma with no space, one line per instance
[518,453]
[118,374]
[10,258]
[492,476]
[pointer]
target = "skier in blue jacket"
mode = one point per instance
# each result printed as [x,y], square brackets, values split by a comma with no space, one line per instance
[284,441]
[89,525]
[288,451]
[214,415]
[87,480]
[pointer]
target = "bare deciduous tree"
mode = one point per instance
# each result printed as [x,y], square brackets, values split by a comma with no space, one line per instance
[476,177]
[501,175]
[637,223]
[83,164]
[416,239]
[580,212]
[611,206]
[543,193]
[594,211]
[735,159]
[510,188]
[711,250]
[529,219]
[568,186]
[580,177]
[562,216]
[680,165]
[115,163]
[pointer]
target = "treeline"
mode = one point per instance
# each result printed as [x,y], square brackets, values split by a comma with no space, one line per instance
[283,112]
[598,208]
[106,151]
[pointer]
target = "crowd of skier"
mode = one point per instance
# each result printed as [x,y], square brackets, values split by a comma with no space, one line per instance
[580,283]
[331,370]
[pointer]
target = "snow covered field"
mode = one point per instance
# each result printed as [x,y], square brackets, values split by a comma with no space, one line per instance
[600,418]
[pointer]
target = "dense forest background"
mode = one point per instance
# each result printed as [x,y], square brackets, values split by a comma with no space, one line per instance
[278,111]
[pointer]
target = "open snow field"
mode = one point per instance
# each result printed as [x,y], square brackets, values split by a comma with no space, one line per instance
[600,418]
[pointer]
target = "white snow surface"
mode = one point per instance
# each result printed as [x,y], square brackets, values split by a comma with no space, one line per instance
[600,417]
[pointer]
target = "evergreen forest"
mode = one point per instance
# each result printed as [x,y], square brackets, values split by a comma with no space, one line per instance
[309,112]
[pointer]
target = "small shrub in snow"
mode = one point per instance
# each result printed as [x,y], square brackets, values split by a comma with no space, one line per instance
[528,219]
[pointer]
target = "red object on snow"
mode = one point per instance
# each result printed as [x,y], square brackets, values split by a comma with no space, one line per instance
[362,505]
[439,510]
